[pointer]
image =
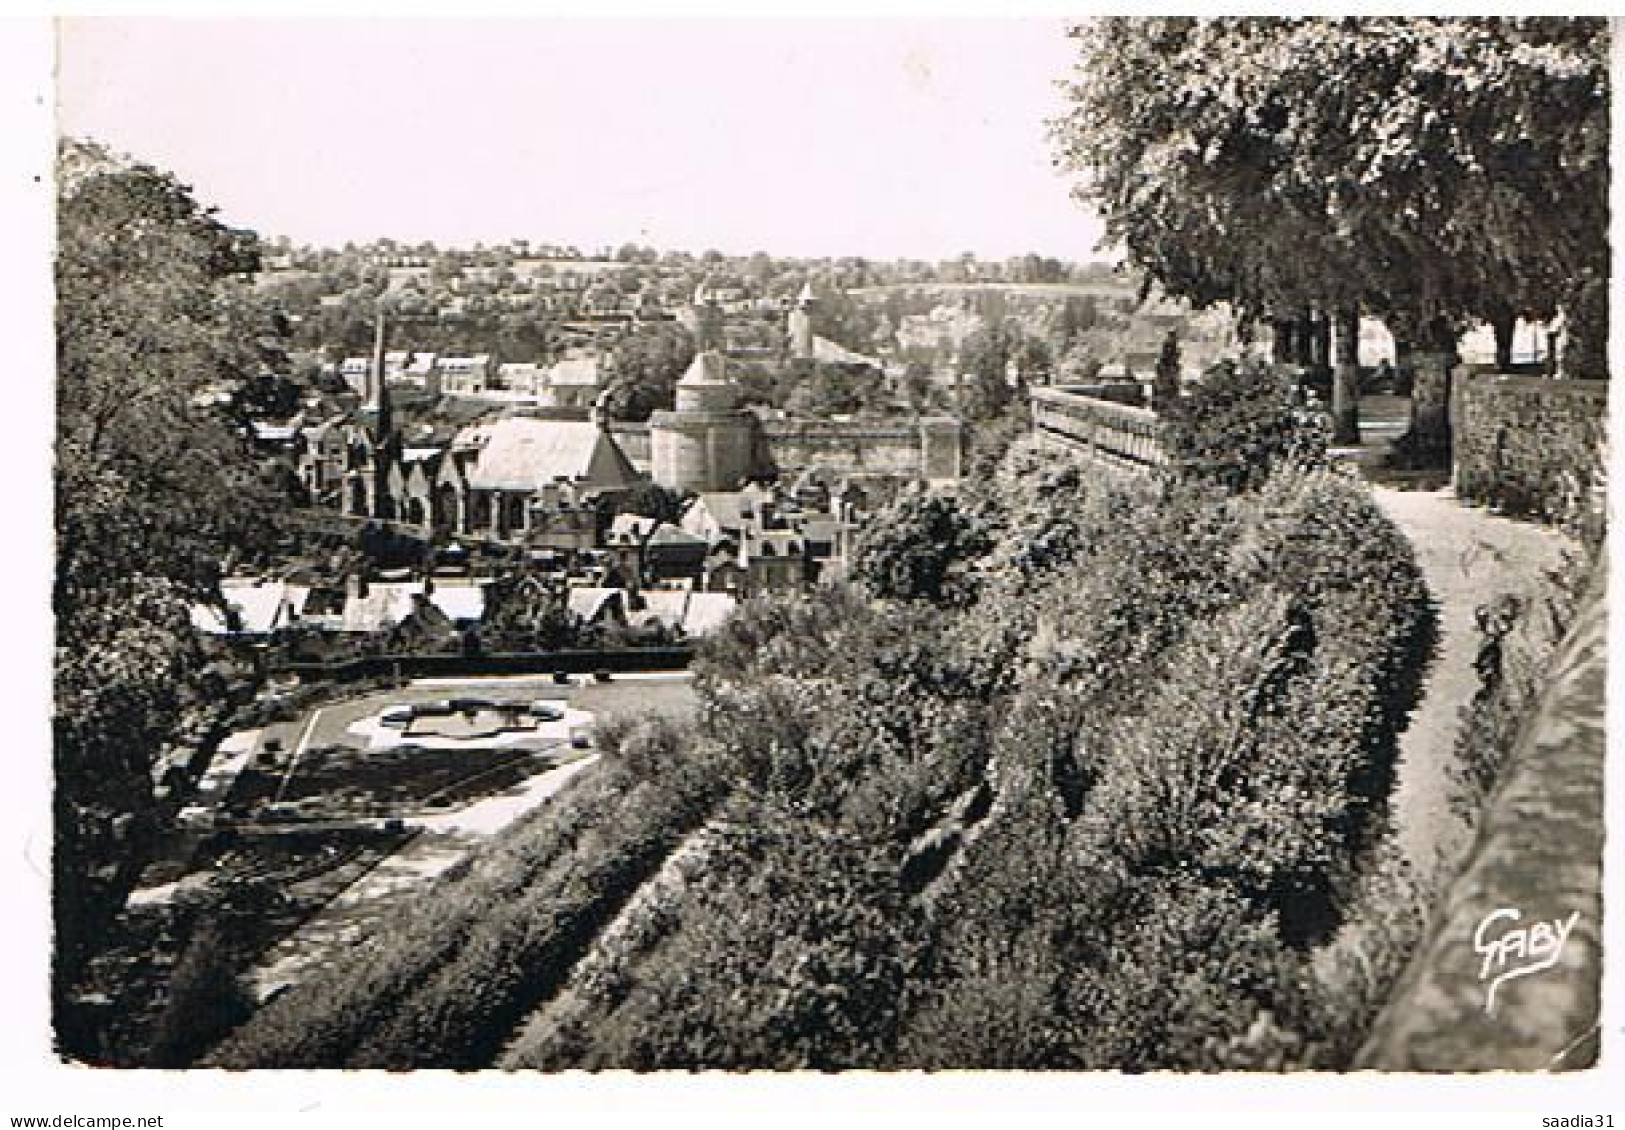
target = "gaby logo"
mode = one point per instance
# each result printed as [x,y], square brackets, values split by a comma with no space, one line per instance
[1509,950]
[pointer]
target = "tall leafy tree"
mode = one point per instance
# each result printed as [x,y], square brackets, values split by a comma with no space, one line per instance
[1165,387]
[921,548]
[985,361]
[149,492]
[644,369]
[1426,170]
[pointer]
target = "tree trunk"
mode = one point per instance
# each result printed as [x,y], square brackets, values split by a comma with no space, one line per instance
[1430,399]
[1303,340]
[1584,352]
[1404,365]
[1323,341]
[1504,323]
[1346,378]
[1284,343]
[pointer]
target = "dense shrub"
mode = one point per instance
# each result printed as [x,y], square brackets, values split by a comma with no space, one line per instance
[1105,626]
[921,548]
[1322,1017]
[1320,536]
[1217,732]
[1046,513]
[792,953]
[559,1032]
[206,1000]
[463,1012]
[1238,425]
[789,633]
[1001,929]
[1184,966]
[1095,969]
[1246,768]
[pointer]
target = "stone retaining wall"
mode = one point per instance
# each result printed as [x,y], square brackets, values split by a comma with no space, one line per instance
[1532,447]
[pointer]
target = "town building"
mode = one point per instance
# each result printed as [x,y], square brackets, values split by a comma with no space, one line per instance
[573,381]
[465,376]
[520,478]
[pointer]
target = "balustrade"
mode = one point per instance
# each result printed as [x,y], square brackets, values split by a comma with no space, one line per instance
[1113,432]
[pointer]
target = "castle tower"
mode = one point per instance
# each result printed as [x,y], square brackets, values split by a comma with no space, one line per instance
[800,325]
[707,442]
[706,321]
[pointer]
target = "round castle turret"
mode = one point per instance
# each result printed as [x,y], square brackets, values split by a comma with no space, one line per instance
[707,442]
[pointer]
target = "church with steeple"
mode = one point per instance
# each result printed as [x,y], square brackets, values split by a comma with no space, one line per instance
[513,477]
[369,490]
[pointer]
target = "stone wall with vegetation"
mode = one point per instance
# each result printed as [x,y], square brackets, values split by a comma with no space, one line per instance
[1533,447]
[1538,852]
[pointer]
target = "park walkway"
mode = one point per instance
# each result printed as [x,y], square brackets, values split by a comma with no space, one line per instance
[1468,557]
[1536,853]
[1509,974]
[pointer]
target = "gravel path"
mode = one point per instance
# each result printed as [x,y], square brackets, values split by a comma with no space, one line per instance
[1468,557]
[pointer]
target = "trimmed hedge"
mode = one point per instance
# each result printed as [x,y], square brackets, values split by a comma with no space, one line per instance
[791,952]
[577,661]
[461,1015]
[1534,447]
[556,1035]
[321,1021]
[1218,731]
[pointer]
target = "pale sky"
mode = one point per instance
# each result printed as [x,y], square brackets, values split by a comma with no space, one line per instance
[801,137]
